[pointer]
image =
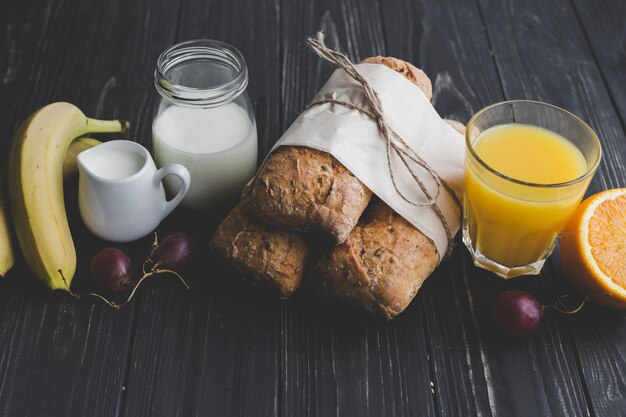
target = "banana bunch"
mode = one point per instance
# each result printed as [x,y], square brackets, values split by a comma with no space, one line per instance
[42,153]
[70,167]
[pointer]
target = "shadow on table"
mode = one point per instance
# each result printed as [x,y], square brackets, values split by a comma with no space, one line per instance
[211,280]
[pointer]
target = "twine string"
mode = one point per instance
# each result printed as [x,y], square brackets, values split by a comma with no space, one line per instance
[395,144]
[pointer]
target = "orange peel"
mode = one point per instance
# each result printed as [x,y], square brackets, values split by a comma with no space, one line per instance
[593,248]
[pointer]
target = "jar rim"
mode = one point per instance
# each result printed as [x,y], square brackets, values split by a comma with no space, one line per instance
[213,52]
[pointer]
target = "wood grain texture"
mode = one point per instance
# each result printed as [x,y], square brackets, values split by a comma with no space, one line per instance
[222,349]
[457,304]
[541,53]
[215,349]
[61,356]
[58,356]
[32,39]
[604,27]
[462,83]
[333,364]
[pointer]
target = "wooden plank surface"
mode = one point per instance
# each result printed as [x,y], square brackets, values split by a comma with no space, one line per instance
[222,349]
[604,25]
[541,53]
[58,356]
[462,83]
[332,364]
[458,305]
[215,349]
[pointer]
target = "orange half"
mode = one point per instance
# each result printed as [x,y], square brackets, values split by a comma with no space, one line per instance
[593,248]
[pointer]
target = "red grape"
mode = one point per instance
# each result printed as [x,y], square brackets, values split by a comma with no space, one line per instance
[112,269]
[176,250]
[517,314]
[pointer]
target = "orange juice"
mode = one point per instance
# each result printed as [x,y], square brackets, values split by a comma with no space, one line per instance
[515,221]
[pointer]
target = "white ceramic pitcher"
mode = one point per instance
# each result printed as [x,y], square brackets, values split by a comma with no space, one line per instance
[120,191]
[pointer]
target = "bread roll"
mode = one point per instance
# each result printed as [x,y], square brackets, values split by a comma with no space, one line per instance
[382,264]
[412,73]
[271,258]
[307,190]
[299,189]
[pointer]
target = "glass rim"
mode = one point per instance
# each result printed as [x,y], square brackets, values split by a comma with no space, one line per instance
[210,50]
[590,170]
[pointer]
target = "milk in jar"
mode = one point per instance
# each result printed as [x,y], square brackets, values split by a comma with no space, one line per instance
[218,146]
[204,121]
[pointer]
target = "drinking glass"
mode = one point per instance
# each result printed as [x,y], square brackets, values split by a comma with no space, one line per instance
[511,226]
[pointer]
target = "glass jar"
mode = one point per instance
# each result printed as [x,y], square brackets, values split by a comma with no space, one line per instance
[204,120]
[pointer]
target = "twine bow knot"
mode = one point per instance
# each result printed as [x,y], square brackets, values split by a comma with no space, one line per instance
[395,144]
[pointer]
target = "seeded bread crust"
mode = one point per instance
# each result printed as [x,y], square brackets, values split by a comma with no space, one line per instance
[307,190]
[271,258]
[382,264]
[412,73]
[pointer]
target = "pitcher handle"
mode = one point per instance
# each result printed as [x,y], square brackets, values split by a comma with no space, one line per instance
[182,173]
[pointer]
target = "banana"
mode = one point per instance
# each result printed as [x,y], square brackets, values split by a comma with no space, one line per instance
[36,188]
[70,167]
[7,252]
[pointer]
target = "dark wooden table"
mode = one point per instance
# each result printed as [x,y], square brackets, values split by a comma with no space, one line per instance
[223,350]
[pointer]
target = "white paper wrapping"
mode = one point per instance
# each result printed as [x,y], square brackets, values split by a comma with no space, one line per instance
[355,140]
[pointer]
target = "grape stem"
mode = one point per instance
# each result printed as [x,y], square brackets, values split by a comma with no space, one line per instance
[149,268]
[155,246]
[560,305]
[88,294]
